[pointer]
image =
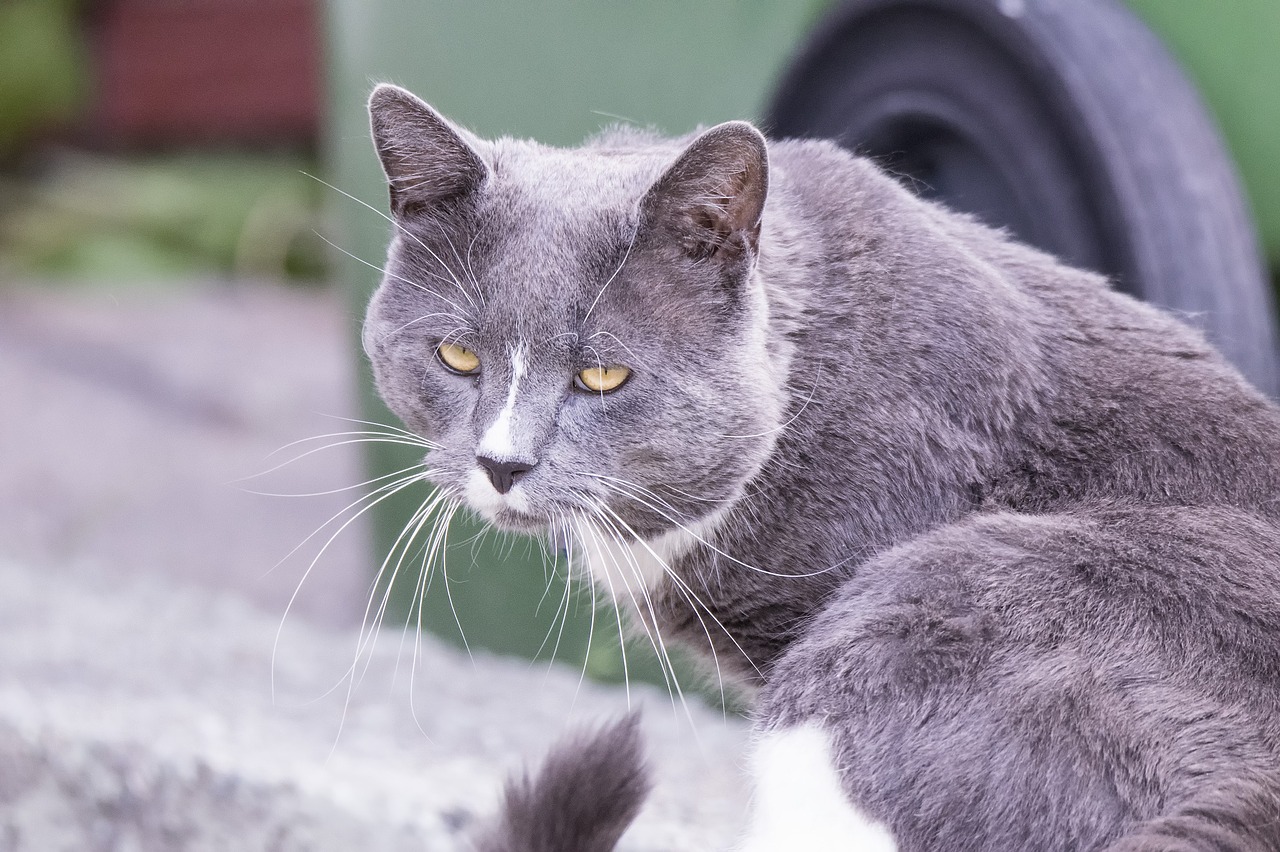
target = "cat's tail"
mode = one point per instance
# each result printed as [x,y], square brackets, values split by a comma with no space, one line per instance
[587,792]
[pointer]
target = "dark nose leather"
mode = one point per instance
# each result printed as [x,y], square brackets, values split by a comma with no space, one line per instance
[503,474]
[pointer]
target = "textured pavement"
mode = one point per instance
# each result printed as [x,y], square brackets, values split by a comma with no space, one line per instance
[140,609]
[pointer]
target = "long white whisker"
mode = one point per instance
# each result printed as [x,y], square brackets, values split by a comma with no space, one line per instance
[301,456]
[622,487]
[622,639]
[383,426]
[694,603]
[562,606]
[665,664]
[635,233]
[420,472]
[387,491]
[399,227]
[424,318]
[813,390]
[439,539]
[378,432]
[368,637]
[401,278]
[403,542]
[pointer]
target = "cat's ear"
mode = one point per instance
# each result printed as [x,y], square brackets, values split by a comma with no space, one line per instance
[713,195]
[427,159]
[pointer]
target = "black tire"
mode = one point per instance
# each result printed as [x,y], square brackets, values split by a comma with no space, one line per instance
[1065,121]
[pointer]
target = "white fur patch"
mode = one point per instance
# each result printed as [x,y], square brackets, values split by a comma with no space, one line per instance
[498,442]
[624,569]
[799,803]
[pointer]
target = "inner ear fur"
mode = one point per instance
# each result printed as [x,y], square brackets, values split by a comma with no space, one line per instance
[713,195]
[428,160]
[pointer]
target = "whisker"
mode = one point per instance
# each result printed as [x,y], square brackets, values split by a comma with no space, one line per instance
[694,603]
[424,318]
[404,541]
[332,446]
[613,484]
[634,357]
[388,427]
[622,640]
[367,638]
[384,271]
[816,381]
[634,234]
[560,615]
[397,225]
[665,664]
[387,491]
[462,264]
[439,539]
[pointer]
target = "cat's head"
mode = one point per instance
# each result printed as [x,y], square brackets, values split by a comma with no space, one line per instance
[581,332]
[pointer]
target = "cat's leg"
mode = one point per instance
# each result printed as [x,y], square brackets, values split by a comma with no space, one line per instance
[799,802]
[1054,683]
[1240,815]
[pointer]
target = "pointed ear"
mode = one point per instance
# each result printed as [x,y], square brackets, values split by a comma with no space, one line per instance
[711,198]
[427,160]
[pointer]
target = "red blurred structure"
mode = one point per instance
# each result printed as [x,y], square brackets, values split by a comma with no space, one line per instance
[206,71]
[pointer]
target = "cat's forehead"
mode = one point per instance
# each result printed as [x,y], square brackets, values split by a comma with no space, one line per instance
[579,184]
[556,223]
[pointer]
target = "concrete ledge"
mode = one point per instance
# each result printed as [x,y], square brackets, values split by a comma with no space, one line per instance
[138,716]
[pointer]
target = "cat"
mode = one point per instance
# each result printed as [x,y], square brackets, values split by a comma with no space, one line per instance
[994,548]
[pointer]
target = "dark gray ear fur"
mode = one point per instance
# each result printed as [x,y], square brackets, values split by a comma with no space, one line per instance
[712,196]
[427,159]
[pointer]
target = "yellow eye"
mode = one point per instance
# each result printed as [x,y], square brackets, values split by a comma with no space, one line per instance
[601,379]
[459,360]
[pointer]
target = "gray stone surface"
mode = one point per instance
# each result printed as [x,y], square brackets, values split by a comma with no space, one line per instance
[139,611]
[139,716]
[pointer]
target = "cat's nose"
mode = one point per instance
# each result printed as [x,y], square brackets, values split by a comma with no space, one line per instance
[503,474]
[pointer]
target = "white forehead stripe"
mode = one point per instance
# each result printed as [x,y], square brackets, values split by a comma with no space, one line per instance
[498,442]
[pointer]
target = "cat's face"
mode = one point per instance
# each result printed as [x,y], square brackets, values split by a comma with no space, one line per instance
[579,332]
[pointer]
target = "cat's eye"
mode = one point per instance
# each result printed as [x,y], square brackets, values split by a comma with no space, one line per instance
[458,359]
[601,379]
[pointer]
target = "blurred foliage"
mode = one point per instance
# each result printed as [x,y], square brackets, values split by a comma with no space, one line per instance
[180,215]
[43,75]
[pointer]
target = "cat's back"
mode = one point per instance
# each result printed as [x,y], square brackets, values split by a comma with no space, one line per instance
[1075,391]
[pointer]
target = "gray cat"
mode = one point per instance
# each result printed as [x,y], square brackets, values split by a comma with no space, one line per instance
[993,546]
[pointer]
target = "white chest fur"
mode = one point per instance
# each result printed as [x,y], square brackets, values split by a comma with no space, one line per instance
[799,803]
[628,569]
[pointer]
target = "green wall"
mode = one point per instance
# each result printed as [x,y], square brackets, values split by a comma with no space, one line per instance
[1231,50]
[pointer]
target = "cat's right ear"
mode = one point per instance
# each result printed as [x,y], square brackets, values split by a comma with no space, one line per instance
[427,159]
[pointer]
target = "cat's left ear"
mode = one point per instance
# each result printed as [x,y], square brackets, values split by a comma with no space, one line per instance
[712,196]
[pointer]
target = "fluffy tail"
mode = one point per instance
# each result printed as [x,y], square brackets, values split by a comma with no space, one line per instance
[589,789]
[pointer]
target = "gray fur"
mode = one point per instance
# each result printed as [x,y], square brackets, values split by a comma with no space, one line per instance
[1010,536]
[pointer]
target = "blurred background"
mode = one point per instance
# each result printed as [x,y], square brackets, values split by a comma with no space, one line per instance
[186,239]
[181,226]
[186,244]
[167,311]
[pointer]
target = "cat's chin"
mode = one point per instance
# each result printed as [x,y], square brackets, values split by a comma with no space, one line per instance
[509,520]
